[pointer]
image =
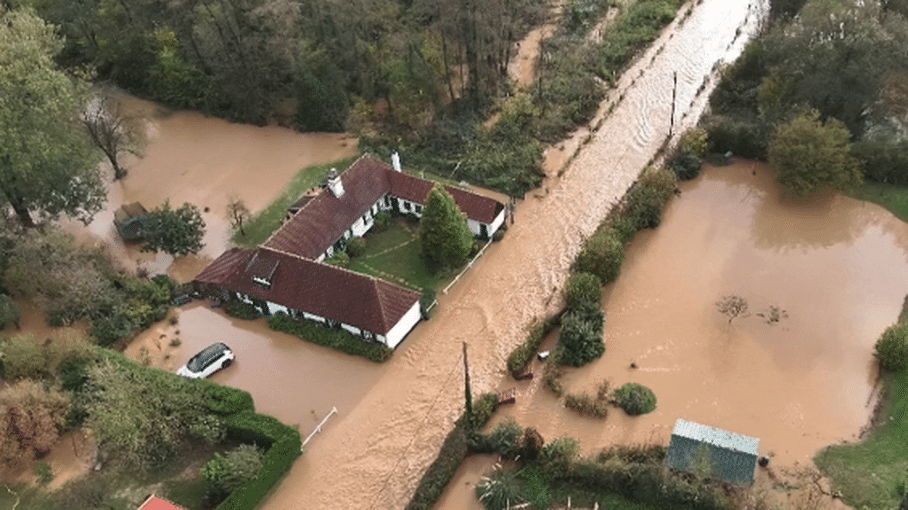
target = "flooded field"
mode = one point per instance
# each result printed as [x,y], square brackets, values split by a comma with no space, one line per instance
[204,160]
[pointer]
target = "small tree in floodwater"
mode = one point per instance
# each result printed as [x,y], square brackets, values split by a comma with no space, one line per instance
[732,307]
[238,213]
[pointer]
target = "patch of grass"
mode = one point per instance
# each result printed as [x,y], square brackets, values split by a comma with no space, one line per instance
[394,255]
[894,197]
[266,221]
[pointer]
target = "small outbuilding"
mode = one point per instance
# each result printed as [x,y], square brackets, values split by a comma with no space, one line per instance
[131,220]
[696,448]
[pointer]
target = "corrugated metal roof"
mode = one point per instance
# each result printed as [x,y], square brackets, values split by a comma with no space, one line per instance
[717,437]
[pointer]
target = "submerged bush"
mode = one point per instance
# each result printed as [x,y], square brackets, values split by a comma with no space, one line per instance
[558,455]
[521,356]
[501,490]
[646,200]
[635,399]
[580,340]
[582,287]
[602,255]
[892,348]
[503,440]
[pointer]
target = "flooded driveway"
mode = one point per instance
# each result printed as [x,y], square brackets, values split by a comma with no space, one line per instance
[374,456]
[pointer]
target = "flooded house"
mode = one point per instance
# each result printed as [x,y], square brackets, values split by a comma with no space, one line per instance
[286,274]
[712,452]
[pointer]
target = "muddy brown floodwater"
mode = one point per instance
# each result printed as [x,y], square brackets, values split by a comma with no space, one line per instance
[373,455]
[204,160]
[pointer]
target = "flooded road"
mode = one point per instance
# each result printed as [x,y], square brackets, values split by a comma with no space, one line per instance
[204,161]
[374,455]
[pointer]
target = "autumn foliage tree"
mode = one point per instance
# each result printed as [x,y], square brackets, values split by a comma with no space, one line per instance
[445,239]
[31,418]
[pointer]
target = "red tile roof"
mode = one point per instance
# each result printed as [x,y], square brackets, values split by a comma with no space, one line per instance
[322,220]
[155,503]
[337,294]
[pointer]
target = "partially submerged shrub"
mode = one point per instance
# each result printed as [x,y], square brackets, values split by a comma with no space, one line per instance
[635,399]
[648,197]
[499,491]
[602,255]
[244,311]
[558,455]
[582,287]
[580,340]
[892,348]
[531,444]
[587,404]
[521,356]
[694,141]
[687,165]
[503,440]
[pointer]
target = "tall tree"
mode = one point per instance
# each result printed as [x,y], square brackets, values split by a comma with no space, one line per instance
[114,131]
[444,236]
[47,165]
[809,155]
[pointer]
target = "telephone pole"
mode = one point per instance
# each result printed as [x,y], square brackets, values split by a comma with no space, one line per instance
[466,378]
[671,125]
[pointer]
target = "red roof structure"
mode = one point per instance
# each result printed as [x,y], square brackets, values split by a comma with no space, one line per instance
[301,284]
[322,219]
[156,503]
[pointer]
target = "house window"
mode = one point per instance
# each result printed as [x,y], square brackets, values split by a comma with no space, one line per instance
[405,206]
[417,208]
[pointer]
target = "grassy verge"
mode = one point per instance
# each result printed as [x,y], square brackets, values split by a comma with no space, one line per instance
[894,197]
[874,473]
[269,219]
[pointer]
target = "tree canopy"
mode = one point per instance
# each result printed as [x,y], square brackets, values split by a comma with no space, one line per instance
[47,165]
[809,155]
[445,239]
[175,231]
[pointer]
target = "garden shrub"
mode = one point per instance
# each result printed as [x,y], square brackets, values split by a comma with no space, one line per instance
[582,288]
[883,162]
[382,221]
[242,310]
[224,400]
[694,141]
[356,247]
[500,490]
[334,338]
[275,463]
[531,444]
[635,399]
[108,329]
[892,348]
[687,165]
[558,455]
[340,259]
[521,356]
[228,471]
[590,405]
[602,255]
[580,339]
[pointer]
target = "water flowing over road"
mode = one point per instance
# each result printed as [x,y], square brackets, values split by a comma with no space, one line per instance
[374,454]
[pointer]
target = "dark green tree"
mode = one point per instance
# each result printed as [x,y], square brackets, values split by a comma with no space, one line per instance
[892,348]
[580,339]
[445,239]
[47,165]
[175,231]
[225,472]
[810,155]
[9,312]
[635,399]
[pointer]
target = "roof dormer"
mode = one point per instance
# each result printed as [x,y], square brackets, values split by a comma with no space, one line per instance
[335,184]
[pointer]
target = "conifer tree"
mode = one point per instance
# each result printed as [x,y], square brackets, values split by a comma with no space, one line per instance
[444,236]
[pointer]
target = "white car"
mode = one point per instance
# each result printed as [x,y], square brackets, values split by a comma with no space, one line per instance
[211,359]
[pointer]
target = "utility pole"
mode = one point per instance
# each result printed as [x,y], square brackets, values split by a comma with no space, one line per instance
[466,377]
[671,125]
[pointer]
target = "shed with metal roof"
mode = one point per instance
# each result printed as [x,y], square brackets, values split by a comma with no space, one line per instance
[722,454]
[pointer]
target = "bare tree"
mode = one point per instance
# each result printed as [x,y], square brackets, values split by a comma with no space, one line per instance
[114,131]
[238,213]
[732,307]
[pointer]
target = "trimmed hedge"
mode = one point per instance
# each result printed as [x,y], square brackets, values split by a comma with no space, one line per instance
[521,356]
[635,399]
[453,451]
[224,400]
[334,338]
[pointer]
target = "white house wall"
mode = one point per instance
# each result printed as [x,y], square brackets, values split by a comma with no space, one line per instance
[496,224]
[403,326]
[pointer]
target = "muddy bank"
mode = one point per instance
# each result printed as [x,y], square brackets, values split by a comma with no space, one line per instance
[203,160]
[373,457]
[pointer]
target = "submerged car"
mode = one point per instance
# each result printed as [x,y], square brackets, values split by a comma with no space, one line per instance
[208,361]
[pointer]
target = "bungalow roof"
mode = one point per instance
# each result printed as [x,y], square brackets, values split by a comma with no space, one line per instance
[301,284]
[157,503]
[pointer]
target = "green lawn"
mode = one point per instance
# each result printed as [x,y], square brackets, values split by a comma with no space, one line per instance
[269,219]
[893,197]
[874,473]
[393,255]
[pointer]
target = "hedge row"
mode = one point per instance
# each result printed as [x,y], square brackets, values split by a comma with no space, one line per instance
[521,356]
[334,338]
[284,446]
[453,451]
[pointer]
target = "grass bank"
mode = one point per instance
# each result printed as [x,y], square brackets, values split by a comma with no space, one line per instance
[874,473]
[894,197]
[266,221]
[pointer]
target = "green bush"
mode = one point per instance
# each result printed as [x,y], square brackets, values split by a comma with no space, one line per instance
[552,372]
[635,399]
[500,490]
[24,357]
[227,472]
[687,165]
[340,259]
[521,356]
[884,162]
[694,141]
[742,137]
[275,463]
[9,312]
[892,348]
[582,287]
[558,455]
[590,405]
[503,440]
[242,310]
[645,201]
[356,247]
[624,228]
[224,400]
[44,472]
[334,338]
[531,444]
[602,255]
[580,339]
[382,221]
